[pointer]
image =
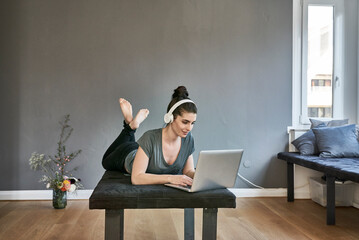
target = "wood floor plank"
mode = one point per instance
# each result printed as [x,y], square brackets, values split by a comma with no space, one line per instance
[348,221]
[253,219]
[24,224]
[3,206]
[6,208]
[98,231]
[40,226]
[305,217]
[231,228]
[198,213]
[177,216]
[63,226]
[82,227]
[163,222]
[265,223]
[72,212]
[11,218]
[310,218]
[142,225]
[57,231]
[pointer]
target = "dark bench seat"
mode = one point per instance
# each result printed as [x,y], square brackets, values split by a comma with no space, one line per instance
[114,193]
[343,168]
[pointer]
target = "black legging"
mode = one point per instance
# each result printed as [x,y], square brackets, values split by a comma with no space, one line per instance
[114,157]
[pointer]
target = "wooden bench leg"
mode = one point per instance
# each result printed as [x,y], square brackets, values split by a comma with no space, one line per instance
[290,182]
[209,230]
[330,200]
[189,224]
[114,224]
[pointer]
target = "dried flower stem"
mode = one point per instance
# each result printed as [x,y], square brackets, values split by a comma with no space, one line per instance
[54,166]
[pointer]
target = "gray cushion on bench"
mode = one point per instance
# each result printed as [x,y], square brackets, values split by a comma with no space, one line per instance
[115,191]
[344,168]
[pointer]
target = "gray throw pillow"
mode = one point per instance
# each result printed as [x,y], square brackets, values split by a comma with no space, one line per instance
[306,143]
[331,123]
[337,141]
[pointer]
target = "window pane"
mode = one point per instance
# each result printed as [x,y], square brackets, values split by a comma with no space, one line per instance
[320,61]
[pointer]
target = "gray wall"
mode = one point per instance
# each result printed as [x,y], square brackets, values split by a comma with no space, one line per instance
[78,57]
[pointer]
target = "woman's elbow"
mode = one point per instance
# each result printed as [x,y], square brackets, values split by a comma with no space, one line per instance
[135,180]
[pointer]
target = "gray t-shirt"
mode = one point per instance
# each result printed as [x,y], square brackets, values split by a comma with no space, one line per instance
[151,143]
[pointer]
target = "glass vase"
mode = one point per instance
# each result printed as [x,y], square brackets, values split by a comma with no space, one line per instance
[59,199]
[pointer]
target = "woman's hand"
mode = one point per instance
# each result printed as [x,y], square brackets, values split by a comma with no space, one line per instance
[182,180]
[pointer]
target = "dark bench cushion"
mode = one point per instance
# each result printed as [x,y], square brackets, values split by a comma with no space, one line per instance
[344,168]
[115,191]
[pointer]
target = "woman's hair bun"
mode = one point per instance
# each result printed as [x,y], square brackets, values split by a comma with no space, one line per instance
[180,92]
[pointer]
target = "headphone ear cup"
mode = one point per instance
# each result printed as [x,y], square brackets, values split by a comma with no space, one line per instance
[168,118]
[171,118]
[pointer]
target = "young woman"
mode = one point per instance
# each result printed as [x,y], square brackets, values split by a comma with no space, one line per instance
[161,155]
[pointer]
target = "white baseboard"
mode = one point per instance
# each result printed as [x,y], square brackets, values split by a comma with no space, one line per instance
[301,194]
[85,194]
[254,192]
[41,195]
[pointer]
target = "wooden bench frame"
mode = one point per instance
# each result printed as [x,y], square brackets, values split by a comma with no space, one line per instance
[331,171]
[115,193]
[330,192]
[114,223]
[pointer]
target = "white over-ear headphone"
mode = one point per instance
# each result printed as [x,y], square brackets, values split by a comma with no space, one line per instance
[168,118]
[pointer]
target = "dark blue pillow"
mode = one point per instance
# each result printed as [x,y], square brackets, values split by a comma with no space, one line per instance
[337,141]
[306,143]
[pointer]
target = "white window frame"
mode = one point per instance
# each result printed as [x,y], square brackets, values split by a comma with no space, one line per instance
[299,107]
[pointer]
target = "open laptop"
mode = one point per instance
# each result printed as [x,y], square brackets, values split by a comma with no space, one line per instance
[215,169]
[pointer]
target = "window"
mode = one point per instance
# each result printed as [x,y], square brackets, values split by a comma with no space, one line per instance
[318,71]
[317,59]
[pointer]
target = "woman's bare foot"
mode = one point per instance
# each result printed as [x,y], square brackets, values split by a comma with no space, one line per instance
[140,117]
[126,109]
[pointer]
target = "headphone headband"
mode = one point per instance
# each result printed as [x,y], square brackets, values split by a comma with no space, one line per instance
[168,118]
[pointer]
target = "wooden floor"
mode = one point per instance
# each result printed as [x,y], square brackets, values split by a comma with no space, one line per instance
[254,218]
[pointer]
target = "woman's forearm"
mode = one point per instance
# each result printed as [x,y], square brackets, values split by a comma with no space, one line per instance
[148,178]
[190,173]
